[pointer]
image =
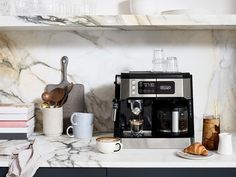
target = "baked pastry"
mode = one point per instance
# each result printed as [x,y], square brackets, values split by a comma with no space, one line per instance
[196,149]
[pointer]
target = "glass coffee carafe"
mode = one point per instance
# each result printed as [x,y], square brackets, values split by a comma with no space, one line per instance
[173,120]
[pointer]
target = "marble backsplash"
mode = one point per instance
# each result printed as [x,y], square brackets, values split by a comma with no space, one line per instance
[31,59]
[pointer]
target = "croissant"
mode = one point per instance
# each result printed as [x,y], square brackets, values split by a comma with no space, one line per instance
[196,149]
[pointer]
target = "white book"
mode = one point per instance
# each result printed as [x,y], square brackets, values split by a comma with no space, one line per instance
[17,136]
[21,108]
[17,116]
[28,130]
[14,130]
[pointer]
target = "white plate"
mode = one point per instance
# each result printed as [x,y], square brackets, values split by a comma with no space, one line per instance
[188,12]
[194,157]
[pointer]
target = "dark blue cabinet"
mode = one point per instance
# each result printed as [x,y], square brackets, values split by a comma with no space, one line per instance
[171,172]
[3,172]
[132,172]
[65,172]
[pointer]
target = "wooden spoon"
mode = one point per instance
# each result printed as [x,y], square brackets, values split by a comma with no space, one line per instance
[46,97]
[57,95]
[67,89]
[52,98]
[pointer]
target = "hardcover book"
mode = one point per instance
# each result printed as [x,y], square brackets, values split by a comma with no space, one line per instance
[17,136]
[27,129]
[16,116]
[12,124]
[21,108]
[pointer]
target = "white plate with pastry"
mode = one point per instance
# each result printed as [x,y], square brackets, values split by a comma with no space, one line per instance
[195,151]
[193,156]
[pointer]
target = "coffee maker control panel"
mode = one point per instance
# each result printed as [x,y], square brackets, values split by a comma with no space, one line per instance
[134,88]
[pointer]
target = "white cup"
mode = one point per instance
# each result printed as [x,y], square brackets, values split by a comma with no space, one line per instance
[82,125]
[108,145]
[144,7]
[225,144]
[52,121]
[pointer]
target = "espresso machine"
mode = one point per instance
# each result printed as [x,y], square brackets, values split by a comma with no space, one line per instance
[154,109]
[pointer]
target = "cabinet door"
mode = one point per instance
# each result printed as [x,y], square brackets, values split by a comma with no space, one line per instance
[171,172]
[65,172]
[3,171]
[71,172]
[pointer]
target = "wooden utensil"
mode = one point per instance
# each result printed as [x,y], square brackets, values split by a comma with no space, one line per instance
[75,101]
[57,95]
[67,90]
[46,97]
[54,97]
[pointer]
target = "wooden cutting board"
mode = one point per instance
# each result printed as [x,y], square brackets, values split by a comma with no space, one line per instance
[75,101]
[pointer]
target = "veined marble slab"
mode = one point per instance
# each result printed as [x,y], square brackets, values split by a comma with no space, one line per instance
[126,22]
[29,60]
[68,153]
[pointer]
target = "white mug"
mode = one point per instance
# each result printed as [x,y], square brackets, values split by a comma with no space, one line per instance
[82,125]
[108,145]
[225,144]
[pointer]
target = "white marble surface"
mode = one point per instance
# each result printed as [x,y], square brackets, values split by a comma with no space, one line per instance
[126,22]
[31,59]
[68,154]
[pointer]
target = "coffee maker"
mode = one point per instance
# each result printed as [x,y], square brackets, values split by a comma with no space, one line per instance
[154,105]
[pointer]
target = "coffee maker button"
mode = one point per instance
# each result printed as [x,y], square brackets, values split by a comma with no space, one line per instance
[133,93]
[133,87]
[133,82]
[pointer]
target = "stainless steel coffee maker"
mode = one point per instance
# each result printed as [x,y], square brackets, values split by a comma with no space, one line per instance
[155,108]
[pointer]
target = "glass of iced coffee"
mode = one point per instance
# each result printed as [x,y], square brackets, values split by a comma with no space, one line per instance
[211,131]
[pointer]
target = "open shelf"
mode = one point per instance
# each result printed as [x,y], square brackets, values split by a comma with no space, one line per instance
[120,22]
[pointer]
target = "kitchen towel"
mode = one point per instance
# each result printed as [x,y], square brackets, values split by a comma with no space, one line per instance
[8,147]
[25,162]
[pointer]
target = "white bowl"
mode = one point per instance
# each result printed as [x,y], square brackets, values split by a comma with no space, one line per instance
[197,6]
[144,7]
[151,7]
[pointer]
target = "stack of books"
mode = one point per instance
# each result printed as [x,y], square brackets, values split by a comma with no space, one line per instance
[17,121]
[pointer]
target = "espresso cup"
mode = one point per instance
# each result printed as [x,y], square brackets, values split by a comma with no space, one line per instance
[82,125]
[225,144]
[108,145]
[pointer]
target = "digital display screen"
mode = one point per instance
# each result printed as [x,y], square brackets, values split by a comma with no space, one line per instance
[165,87]
[147,87]
[159,87]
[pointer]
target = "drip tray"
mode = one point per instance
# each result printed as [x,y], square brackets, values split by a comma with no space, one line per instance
[156,143]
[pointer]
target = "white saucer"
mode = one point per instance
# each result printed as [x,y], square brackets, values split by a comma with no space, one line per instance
[194,157]
[188,12]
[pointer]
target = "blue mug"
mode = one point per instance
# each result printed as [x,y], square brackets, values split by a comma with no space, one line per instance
[81,125]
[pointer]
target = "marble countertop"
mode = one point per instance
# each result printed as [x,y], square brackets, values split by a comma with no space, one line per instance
[125,22]
[68,154]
